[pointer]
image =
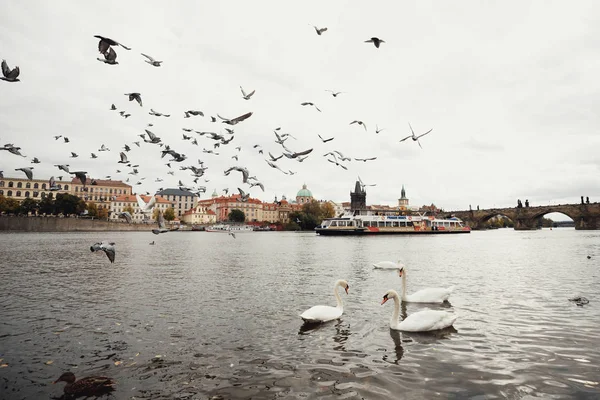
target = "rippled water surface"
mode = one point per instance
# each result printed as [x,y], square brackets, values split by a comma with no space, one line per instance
[202,314]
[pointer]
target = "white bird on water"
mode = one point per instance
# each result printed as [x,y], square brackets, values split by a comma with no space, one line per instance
[421,321]
[327,313]
[427,295]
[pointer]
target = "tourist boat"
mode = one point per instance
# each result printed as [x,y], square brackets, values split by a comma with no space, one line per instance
[226,228]
[381,223]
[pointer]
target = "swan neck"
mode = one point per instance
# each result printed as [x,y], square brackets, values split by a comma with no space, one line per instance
[396,314]
[338,298]
[404,284]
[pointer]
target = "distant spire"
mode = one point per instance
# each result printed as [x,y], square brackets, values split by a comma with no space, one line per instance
[403,193]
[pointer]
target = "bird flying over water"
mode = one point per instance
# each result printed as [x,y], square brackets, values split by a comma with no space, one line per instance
[107,248]
[162,227]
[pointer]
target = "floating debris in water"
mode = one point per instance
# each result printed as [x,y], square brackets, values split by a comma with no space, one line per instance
[579,300]
[118,362]
[49,362]
[3,365]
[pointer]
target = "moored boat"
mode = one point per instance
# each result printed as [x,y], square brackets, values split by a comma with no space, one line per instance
[226,228]
[382,223]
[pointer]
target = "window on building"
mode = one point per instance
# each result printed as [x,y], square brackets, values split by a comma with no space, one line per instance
[9,193]
[1,183]
[27,194]
[43,195]
[36,185]
[35,194]
[10,184]
[28,185]
[1,192]
[19,184]
[76,189]
[66,187]
[19,192]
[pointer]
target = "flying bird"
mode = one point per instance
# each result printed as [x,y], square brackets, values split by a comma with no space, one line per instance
[81,175]
[127,216]
[359,123]
[10,75]
[245,95]
[27,172]
[103,148]
[162,227]
[74,155]
[235,120]
[308,103]
[243,195]
[319,30]
[93,155]
[110,57]
[107,248]
[325,140]
[376,41]
[66,139]
[366,159]
[377,130]
[151,60]
[35,160]
[63,167]
[123,158]
[334,94]
[193,112]
[105,43]
[135,96]
[415,137]
[232,234]
[113,107]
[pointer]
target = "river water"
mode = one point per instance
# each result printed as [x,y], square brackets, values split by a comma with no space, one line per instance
[203,315]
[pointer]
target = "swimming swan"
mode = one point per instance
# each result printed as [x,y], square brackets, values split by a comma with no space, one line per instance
[421,321]
[388,265]
[428,295]
[327,313]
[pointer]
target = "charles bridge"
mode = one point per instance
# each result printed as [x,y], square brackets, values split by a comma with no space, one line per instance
[586,216]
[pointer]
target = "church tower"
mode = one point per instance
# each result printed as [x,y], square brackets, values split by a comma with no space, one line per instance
[403,201]
[358,198]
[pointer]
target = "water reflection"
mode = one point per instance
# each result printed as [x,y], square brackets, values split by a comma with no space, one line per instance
[398,349]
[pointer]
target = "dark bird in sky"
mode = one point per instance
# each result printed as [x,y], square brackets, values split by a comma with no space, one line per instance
[57,137]
[81,175]
[35,160]
[110,57]
[235,120]
[243,170]
[377,130]
[153,138]
[325,140]
[376,41]
[74,155]
[123,158]
[245,95]
[359,123]
[319,30]
[231,234]
[308,103]
[193,112]
[415,137]
[158,114]
[135,96]
[27,171]
[93,155]
[334,94]
[366,159]
[337,163]
[243,195]
[107,248]
[126,148]
[273,158]
[297,154]
[113,107]
[151,60]
[52,186]
[103,148]
[63,167]
[12,149]
[105,43]
[10,75]
[66,139]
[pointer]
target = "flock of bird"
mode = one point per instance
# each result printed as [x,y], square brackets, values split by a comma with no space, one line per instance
[108,47]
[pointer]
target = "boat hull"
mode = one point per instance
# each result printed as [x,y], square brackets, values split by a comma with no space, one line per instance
[370,232]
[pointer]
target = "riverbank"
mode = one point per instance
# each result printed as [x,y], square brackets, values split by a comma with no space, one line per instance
[66,224]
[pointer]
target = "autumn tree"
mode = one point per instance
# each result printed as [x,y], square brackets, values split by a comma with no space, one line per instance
[28,205]
[129,209]
[169,214]
[102,213]
[327,210]
[236,216]
[92,209]
[8,205]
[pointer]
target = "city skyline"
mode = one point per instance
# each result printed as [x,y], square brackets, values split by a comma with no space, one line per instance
[512,120]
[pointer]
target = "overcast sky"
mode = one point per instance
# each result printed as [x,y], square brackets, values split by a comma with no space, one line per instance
[511,90]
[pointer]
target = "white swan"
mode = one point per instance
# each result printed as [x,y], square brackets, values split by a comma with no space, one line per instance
[327,313]
[428,295]
[421,321]
[388,265]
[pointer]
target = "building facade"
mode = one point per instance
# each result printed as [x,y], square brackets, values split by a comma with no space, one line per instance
[183,200]
[21,189]
[304,195]
[99,191]
[129,202]
[199,215]
[403,200]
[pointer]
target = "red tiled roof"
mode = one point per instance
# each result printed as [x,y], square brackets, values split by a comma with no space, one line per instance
[101,182]
[133,199]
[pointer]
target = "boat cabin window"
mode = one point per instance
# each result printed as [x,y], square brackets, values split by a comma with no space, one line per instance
[409,223]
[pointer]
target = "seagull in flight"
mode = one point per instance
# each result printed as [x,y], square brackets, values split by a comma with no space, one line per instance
[325,140]
[245,95]
[110,57]
[415,137]
[107,248]
[377,130]
[235,120]
[319,30]
[366,159]
[105,43]
[334,94]
[359,123]
[308,103]
[135,96]
[10,75]
[376,41]
[151,60]
[27,172]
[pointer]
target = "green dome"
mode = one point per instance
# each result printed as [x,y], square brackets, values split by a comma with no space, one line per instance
[304,192]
